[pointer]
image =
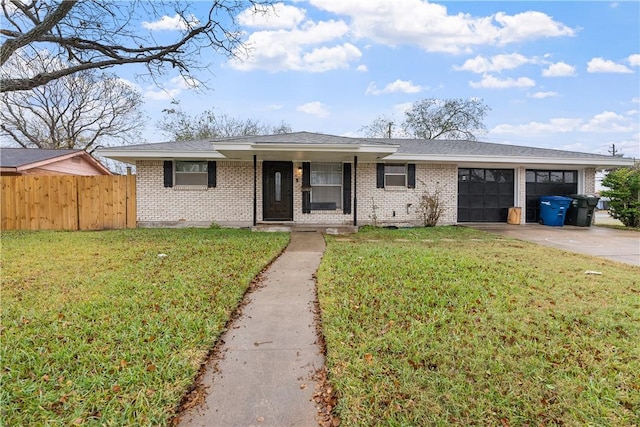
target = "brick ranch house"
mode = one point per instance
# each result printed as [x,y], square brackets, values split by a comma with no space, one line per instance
[310,178]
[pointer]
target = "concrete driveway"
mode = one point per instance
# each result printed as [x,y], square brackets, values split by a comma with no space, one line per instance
[617,245]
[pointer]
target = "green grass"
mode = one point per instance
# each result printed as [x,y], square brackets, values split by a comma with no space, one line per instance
[618,227]
[451,326]
[98,330]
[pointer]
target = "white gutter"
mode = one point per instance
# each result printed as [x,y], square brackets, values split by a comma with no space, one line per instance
[130,156]
[443,158]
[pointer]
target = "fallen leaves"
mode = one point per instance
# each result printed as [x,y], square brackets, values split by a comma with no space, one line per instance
[326,400]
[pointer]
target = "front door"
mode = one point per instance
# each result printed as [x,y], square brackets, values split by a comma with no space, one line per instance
[277,191]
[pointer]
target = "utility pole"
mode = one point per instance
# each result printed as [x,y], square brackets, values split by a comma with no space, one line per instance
[389,131]
[613,151]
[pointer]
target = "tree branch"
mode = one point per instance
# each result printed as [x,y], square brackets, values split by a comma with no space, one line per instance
[11,45]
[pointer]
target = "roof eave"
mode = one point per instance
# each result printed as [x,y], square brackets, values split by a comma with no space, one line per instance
[441,158]
[131,156]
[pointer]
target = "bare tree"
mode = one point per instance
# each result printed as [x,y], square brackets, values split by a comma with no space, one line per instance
[76,111]
[180,126]
[97,34]
[383,127]
[433,118]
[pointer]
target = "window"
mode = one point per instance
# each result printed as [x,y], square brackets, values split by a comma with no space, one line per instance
[395,176]
[326,183]
[191,173]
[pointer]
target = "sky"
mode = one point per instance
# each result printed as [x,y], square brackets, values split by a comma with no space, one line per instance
[562,75]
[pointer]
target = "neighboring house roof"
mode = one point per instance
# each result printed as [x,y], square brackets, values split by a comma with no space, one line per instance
[22,159]
[315,147]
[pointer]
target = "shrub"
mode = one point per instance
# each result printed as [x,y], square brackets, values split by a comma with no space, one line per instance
[624,195]
[431,207]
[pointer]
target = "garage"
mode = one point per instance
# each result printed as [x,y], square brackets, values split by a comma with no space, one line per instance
[485,195]
[548,183]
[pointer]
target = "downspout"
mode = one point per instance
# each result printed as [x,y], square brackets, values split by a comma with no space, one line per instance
[255,190]
[355,191]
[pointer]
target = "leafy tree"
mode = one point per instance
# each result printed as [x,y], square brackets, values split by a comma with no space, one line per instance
[82,110]
[433,118]
[180,126]
[97,34]
[624,195]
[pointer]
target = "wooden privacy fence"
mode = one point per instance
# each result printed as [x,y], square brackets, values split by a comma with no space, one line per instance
[68,202]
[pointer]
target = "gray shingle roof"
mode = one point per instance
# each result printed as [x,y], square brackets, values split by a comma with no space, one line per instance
[406,146]
[199,145]
[16,157]
[475,148]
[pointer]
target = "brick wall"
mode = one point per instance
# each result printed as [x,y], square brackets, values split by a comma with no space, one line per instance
[398,205]
[230,203]
[589,180]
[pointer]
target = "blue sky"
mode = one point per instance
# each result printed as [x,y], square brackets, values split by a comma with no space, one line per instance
[561,75]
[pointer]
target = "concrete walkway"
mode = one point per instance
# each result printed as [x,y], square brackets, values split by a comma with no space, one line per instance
[263,373]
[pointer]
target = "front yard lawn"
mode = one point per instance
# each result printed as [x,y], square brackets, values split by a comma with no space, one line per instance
[100,328]
[451,326]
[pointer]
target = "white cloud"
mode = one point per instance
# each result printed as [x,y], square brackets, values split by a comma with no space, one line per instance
[278,16]
[295,50]
[601,65]
[403,107]
[636,100]
[330,58]
[363,68]
[634,60]
[172,89]
[608,121]
[430,26]
[529,26]
[167,23]
[314,108]
[605,122]
[403,86]
[496,63]
[542,95]
[558,125]
[559,69]
[286,39]
[491,82]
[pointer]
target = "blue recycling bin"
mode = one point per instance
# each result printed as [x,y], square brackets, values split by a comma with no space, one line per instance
[553,210]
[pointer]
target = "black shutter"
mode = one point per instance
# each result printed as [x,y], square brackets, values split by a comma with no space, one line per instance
[346,188]
[211,174]
[168,173]
[306,175]
[411,175]
[306,187]
[306,202]
[380,175]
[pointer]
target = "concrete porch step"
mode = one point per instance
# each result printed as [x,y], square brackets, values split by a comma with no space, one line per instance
[322,228]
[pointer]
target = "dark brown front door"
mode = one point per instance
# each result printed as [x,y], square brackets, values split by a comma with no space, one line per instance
[277,191]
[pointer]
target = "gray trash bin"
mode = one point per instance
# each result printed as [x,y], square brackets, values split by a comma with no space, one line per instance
[581,210]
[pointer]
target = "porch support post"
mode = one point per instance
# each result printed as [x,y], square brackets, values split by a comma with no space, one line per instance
[255,190]
[355,191]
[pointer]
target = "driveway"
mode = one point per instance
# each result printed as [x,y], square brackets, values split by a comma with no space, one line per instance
[617,245]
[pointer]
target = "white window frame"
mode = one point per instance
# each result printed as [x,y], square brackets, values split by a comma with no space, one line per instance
[339,201]
[404,174]
[177,174]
